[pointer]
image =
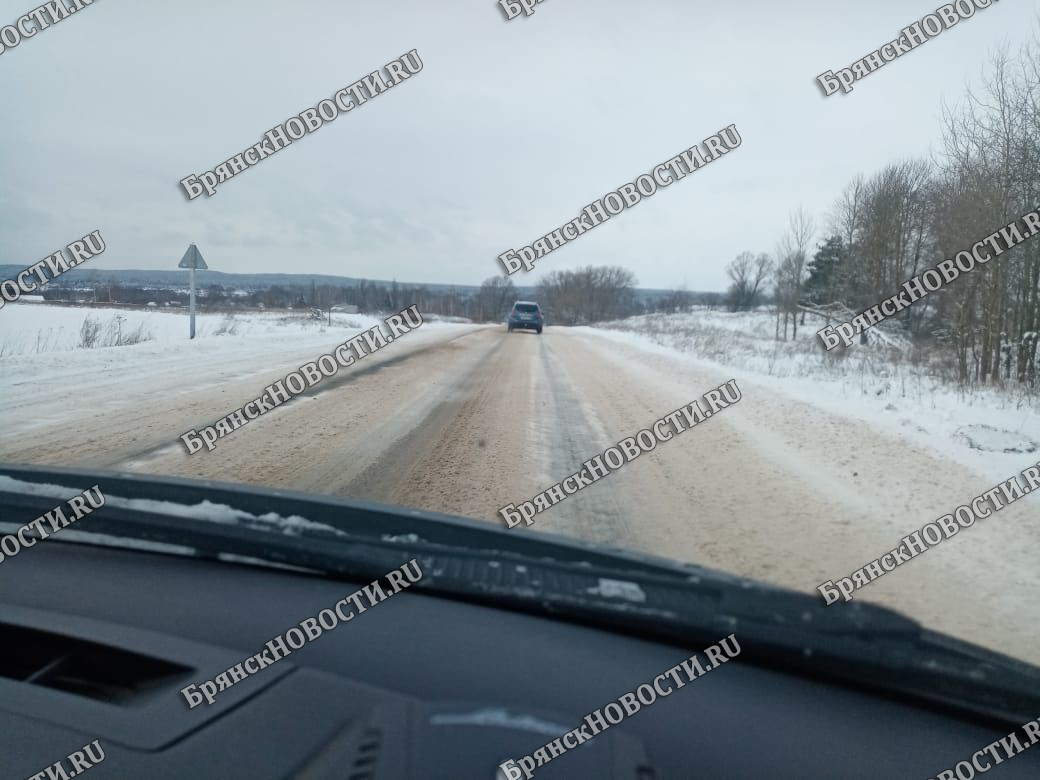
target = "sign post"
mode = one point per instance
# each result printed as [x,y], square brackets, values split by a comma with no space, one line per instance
[192,259]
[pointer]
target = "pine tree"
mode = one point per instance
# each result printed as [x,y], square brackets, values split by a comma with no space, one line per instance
[820,287]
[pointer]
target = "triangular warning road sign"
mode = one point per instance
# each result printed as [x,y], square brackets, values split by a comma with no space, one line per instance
[192,259]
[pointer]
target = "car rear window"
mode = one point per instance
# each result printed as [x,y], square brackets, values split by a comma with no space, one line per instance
[526,308]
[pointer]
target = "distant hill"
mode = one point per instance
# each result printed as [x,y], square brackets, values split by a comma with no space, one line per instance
[177,279]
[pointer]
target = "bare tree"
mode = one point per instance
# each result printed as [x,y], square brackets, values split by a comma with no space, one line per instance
[989,161]
[590,294]
[496,295]
[908,216]
[792,254]
[747,274]
[678,300]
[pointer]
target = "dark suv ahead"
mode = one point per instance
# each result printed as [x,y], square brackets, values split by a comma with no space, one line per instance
[526,314]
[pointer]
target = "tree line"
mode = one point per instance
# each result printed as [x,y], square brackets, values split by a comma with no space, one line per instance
[585,295]
[888,226]
[588,295]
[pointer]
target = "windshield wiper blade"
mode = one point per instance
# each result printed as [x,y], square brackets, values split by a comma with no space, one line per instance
[349,537]
[353,519]
[859,645]
[854,644]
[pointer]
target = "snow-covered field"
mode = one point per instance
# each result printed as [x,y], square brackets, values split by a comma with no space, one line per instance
[227,351]
[994,432]
[36,329]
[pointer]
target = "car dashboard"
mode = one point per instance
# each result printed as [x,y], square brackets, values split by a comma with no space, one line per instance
[418,687]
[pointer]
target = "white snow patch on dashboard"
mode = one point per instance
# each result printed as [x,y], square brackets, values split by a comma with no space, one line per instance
[498,717]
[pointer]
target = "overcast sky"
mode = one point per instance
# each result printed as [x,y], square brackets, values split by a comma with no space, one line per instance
[509,131]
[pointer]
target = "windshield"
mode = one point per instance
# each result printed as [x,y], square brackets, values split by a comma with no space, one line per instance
[294,266]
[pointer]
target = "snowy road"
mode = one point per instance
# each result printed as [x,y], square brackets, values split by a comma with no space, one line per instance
[465,419]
